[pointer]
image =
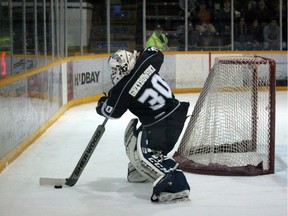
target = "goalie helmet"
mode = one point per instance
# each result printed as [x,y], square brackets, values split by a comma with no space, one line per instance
[120,64]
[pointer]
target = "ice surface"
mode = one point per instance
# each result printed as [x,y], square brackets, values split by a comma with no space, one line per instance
[103,189]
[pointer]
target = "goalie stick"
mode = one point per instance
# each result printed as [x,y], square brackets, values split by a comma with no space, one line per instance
[71,181]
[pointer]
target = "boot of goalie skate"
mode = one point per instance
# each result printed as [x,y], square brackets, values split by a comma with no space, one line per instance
[171,187]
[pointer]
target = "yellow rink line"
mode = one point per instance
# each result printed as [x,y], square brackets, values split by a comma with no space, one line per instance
[14,78]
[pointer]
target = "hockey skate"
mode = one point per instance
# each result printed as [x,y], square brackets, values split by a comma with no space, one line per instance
[171,187]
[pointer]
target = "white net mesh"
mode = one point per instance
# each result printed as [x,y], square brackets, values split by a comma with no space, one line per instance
[231,121]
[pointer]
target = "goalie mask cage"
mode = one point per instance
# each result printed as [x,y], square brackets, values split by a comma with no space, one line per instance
[232,127]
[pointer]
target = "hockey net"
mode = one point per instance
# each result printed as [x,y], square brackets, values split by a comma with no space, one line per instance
[232,127]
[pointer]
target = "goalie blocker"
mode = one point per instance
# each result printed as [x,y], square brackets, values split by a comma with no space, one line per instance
[149,165]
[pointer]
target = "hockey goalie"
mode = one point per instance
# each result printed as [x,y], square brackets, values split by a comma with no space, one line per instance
[138,87]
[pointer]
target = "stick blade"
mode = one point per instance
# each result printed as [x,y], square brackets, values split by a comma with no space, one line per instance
[52,181]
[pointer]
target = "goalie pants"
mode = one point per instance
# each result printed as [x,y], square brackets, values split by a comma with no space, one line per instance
[163,135]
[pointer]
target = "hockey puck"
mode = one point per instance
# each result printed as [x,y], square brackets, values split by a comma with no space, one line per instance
[58,186]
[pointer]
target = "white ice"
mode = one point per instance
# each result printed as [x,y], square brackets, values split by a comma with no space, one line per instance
[103,189]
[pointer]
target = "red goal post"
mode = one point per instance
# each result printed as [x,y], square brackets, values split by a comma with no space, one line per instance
[232,128]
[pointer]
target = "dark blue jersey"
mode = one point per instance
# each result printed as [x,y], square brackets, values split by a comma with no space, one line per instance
[142,91]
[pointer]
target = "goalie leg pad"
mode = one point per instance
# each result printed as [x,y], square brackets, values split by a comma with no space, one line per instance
[149,163]
[134,169]
[130,134]
[134,176]
[170,187]
[130,141]
[153,163]
[146,164]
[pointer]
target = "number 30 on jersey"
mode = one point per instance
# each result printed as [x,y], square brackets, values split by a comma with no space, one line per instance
[157,95]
